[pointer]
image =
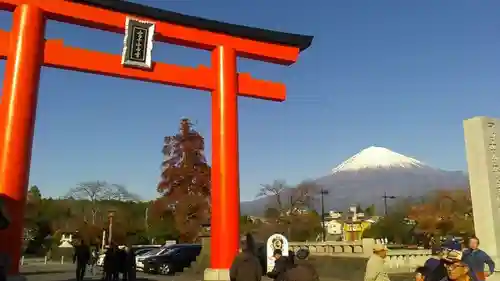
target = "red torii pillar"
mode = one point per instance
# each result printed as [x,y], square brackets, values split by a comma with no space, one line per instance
[26,50]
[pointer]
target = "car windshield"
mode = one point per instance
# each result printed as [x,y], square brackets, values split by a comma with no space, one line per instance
[159,251]
[170,251]
[142,251]
[153,252]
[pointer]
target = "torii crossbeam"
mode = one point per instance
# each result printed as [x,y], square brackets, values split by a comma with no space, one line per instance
[27,50]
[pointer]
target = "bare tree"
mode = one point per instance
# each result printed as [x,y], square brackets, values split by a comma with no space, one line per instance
[275,193]
[303,196]
[289,199]
[95,191]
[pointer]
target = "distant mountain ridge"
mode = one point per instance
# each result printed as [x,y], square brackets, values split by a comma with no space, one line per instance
[364,177]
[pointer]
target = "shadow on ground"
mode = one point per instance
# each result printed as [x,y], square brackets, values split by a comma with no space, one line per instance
[138,279]
[44,272]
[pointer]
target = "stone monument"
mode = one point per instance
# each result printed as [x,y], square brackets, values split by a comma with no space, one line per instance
[275,241]
[482,142]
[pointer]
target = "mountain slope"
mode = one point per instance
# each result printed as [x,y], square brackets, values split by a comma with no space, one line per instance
[366,176]
[375,157]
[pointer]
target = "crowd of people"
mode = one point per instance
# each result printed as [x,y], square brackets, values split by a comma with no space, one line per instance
[451,262]
[294,267]
[117,261]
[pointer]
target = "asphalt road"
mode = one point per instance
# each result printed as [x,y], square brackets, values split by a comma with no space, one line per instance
[66,272]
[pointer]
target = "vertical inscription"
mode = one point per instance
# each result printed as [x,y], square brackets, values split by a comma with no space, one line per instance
[138,44]
[492,148]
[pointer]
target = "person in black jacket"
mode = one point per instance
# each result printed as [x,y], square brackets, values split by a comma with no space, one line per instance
[303,270]
[111,264]
[121,257]
[81,257]
[281,265]
[246,265]
[129,264]
[291,259]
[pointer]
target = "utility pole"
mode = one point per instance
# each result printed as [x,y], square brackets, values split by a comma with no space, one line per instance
[385,201]
[111,215]
[290,217]
[323,193]
[146,224]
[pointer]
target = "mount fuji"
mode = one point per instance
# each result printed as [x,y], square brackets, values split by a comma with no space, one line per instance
[365,177]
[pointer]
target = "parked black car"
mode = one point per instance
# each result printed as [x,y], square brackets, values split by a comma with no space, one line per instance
[174,260]
[143,250]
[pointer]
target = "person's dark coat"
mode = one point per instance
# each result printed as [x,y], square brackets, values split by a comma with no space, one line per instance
[130,265]
[121,257]
[302,271]
[81,254]
[4,216]
[4,266]
[110,261]
[281,265]
[245,267]
[81,257]
[433,270]
[291,259]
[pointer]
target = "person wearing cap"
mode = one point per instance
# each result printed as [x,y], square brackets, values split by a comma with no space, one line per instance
[303,270]
[451,268]
[456,269]
[281,265]
[246,266]
[434,267]
[476,258]
[375,270]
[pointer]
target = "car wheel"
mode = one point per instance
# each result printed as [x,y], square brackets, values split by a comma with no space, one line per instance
[166,269]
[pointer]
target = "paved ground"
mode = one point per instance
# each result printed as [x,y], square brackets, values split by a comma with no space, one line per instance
[58,272]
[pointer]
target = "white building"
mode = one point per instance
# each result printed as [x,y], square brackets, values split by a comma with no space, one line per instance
[333,227]
[334,215]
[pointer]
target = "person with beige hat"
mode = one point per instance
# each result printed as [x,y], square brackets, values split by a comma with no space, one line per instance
[375,270]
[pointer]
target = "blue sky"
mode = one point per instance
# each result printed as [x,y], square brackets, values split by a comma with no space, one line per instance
[398,74]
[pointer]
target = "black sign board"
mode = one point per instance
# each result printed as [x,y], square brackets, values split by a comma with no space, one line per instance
[138,44]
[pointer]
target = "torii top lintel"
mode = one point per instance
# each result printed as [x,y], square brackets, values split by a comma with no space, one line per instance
[195,32]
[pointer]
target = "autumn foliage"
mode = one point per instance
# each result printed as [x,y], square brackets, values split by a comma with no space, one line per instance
[444,213]
[185,181]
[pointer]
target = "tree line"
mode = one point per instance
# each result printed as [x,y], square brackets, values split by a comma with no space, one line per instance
[183,207]
[419,221]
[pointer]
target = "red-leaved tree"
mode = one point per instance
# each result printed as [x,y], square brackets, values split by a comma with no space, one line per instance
[185,181]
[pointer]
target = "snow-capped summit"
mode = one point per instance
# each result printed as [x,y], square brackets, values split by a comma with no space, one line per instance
[375,157]
[368,175]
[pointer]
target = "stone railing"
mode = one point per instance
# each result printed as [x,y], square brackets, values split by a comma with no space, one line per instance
[331,247]
[400,260]
[406,260]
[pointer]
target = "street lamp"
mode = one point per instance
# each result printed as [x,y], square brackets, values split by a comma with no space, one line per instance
[385,201]
[323,192]
[111,215]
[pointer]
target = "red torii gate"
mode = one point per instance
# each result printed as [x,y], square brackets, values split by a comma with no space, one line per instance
[26,50]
